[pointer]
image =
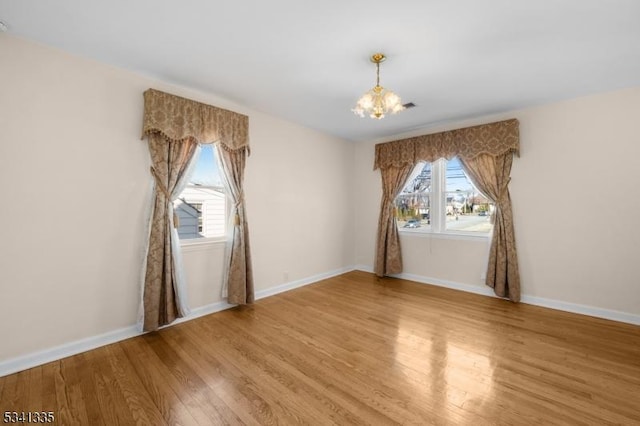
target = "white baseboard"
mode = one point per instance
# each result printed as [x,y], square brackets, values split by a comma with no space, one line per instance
[582,309]
[72,348]
[201,311]
[530,300]
[302,282]
[35,359]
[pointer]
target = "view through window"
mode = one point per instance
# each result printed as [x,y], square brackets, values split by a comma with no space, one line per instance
[439,197]
[202,207]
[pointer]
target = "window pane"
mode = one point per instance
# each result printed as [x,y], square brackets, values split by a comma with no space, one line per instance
[466,208]
[413,203]
[201,207]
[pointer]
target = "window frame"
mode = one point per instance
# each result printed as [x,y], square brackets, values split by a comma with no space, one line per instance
[437,210]
[205,241]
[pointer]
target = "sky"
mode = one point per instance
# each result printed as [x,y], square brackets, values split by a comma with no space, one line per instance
[456,178]
[206,171]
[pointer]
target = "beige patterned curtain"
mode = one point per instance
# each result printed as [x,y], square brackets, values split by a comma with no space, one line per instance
[493,139]
[163,289]
[491,175]
[178,119]
[239,279]
[477,147]
[388,254]
[174,127]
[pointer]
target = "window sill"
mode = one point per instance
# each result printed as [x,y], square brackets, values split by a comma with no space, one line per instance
[465,236]
[202,244]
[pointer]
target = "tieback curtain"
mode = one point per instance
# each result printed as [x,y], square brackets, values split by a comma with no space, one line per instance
[174,127]
[486,153]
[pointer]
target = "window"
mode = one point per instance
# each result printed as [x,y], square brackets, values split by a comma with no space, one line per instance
[440,198]
[413,205]
[202,205]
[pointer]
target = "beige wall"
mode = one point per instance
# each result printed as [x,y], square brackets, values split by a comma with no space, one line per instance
[74,179]
[575,203]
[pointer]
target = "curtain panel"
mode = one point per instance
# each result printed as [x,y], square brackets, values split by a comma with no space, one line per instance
[239,277]
[174,127]
[486,153]
[491,175]
[163,291]
[388,252]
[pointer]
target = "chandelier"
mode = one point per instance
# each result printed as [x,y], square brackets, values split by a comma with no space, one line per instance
[378,101]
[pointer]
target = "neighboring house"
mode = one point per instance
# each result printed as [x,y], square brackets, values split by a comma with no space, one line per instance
[201,211]
[188,220]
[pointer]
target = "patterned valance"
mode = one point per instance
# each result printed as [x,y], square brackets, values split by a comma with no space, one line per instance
[493,139]
[178,119]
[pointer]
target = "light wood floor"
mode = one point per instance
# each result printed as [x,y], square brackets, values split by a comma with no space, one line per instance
[352,350]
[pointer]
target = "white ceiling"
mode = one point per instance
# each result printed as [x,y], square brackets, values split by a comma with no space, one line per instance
[308,61]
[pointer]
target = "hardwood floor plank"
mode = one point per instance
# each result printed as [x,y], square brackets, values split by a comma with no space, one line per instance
[21,396]
[160,392]
[162,381]
[353,349]
[35,390]
[113,405]
[139,403]
[88,386]
[259,377]
[9,399]
[228,384]
[2,384]
[204,397]
[306,384]
[63,411]
[69,393]
[331,355]
[48,391]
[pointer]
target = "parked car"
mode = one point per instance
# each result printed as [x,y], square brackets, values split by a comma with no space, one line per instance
[482,213]
[412,223]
